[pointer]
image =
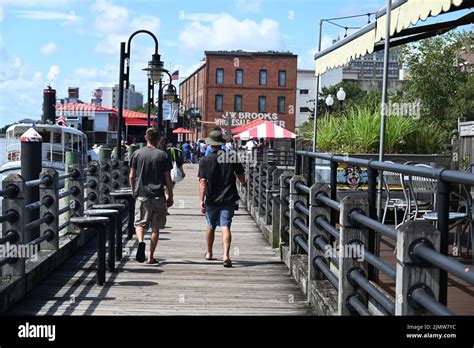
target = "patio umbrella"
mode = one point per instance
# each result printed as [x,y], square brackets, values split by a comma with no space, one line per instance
[266,130]
[182,131]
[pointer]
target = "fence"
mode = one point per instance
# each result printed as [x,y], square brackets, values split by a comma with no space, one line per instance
[32,260]
[331,244]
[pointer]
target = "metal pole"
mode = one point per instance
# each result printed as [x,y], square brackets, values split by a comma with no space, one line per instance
[31,166]
[120,101]
[150,101]
[315,118]
[384,104]
[443,201]
[160,107]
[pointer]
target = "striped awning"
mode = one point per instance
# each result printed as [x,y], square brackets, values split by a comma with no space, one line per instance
[266,130]
[404,14]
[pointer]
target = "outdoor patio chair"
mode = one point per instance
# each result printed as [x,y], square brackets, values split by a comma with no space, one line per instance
[391,202]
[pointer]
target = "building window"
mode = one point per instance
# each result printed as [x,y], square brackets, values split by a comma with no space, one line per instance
[239,77]
[238,103]
[281,104]
[304,91]
[262,104]
[282,78]
[263,78]
[220,76]
[219,102]
[304,109]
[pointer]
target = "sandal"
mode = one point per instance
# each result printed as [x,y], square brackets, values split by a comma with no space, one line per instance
[227,263]
[152,262]
[207,259]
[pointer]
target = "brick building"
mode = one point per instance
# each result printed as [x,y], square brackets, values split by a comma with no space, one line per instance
[243,86]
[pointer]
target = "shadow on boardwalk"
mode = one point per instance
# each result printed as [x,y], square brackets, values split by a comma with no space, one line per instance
[184,283]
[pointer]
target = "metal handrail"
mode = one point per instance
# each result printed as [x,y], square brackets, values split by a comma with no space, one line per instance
[424,299]
[319,262]
[301,242]
[301,208]
[357,276]
[299,222]
[47,236]
[358,306]
[46,218]
[46,180]
[302,187]
[10,236]
[423,251]
[321,243]
[324,224]
[380,264]
[446,175]
[323,198]
[374,224]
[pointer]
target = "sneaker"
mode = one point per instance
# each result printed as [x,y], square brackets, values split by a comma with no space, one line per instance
[141,252]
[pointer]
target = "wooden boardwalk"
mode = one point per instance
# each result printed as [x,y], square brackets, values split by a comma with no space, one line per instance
[184,283]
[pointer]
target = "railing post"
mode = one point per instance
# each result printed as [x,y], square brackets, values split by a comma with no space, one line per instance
[105,178]
[249,179]
[353,237]
[256,170]
[75,185]
[50,192]
[93,181]
[317,210]
[295,196]
[276,206]
[268,195]
[16,205]
[284,208]
[412,272]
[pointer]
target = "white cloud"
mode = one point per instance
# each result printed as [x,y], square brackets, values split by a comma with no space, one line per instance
[36,3]
[109,17]
[226,32]
[248,5]
[49,16]
[149,23]
[201,17]
[48,48]
[53,73]
[114,25]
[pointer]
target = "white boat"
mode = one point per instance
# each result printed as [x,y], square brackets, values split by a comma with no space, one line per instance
[56,141]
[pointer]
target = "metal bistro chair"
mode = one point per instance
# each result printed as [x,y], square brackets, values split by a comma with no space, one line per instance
[392,203]
[421,185]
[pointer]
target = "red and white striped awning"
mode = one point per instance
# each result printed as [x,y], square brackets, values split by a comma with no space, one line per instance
[266,130]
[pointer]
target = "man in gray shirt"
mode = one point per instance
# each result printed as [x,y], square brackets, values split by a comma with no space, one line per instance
[149,175]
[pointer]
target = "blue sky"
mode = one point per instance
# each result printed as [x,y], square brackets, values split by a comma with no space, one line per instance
[76,42]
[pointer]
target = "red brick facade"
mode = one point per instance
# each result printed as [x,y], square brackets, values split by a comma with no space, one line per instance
[201,88]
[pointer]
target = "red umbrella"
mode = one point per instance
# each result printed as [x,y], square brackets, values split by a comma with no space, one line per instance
[182,131]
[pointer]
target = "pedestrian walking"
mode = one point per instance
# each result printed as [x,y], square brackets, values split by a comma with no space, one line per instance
[150,169]
[218,194]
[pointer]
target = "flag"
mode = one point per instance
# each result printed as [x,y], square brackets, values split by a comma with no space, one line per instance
[175,75]
[61,121]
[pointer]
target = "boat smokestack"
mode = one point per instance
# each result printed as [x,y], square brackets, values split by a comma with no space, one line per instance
[49,106]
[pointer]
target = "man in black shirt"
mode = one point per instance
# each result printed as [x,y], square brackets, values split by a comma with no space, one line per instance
[149,175]
[218,192]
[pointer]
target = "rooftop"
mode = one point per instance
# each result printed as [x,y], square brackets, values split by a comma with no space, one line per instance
[249,54]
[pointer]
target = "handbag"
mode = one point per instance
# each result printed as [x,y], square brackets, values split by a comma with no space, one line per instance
[176,175]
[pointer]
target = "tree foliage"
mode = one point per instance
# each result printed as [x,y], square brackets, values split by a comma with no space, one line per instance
[435,78]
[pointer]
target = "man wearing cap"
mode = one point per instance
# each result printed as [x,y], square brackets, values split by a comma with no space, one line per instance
[218,193]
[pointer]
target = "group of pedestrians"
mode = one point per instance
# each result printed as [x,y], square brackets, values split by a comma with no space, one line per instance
[152,186]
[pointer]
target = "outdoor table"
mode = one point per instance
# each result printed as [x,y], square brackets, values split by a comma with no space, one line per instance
[114,217]
[127,194]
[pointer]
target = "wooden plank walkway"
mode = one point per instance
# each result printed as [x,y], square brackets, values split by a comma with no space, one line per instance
[184,283]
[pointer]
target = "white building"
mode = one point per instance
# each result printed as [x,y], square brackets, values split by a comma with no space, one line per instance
[131,98]
[305,92]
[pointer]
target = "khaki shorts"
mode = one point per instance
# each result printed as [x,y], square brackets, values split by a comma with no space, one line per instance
[150,212]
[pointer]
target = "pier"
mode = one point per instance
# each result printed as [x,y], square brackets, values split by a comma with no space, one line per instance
[282,251]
